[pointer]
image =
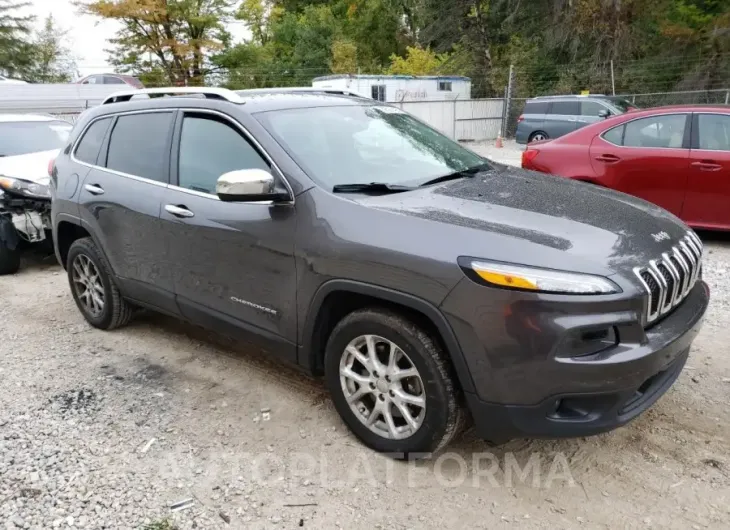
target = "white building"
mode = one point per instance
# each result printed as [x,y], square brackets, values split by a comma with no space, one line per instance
[400,88]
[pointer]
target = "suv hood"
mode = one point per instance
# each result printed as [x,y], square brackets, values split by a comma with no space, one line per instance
[30,166]
[610,229]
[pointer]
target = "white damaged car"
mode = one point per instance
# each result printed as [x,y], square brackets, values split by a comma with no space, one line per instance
[29,144]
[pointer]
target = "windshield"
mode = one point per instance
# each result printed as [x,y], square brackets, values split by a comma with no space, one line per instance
[364,144]
[23,137]
[623,105]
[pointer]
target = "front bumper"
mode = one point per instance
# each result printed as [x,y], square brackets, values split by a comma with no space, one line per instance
[527,389]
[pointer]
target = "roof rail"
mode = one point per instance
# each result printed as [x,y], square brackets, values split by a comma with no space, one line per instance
[207,92]
[558,96]
[303,89]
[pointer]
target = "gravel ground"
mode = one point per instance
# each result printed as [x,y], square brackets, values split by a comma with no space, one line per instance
[109,430]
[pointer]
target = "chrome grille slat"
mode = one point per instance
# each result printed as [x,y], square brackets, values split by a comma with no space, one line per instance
[684,265]
[669,279]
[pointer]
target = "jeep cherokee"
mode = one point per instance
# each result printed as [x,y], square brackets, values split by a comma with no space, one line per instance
[343,235]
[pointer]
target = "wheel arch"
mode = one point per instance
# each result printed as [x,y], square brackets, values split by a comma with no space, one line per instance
[336,298]
[68,230]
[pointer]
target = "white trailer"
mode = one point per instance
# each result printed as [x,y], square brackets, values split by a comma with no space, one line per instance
[61,98]
[400,88]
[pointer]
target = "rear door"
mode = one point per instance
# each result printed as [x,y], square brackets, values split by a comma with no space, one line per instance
[708,189]
[647,157]
[562,118]
[120,202]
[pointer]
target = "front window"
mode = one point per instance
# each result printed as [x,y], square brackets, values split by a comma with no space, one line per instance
[714,132]
[23,137]
[622,104]
[364,144]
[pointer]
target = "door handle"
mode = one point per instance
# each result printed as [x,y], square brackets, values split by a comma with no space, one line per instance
[607,158]
[178,211]
[707,165]
[94,189]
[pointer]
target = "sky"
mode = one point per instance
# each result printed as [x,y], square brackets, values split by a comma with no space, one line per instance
[87,35]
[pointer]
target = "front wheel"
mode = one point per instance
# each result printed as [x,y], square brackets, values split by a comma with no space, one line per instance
[9,248]
[9,257]
[392,384]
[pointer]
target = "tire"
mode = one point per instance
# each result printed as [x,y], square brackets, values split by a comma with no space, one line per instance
[115,312]
[434,426]
[9,259]
[538,135]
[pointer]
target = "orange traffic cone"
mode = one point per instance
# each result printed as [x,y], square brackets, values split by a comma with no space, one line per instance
[499,141]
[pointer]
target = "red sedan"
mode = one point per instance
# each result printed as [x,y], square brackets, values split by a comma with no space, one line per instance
[677,157]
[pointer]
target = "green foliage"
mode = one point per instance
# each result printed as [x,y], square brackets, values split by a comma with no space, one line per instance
[555,46]
[164,524]
[16,53]
[52,61]
[418,61]
[174,36]
[344,57]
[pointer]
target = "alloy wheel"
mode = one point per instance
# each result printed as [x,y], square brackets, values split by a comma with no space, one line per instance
[382,387]
[538,137]
[88,286]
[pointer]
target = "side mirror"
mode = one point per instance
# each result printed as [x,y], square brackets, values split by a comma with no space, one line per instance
[248,185]
[603,113]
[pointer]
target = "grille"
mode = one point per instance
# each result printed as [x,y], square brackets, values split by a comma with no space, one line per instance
[669,279]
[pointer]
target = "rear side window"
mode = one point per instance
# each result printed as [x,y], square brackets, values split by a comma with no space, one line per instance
[566,108]
[90,144]
[615,135]
[138,145]
[111,80]
[210,147]
[536,107]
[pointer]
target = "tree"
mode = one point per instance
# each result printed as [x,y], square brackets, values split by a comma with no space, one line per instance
[418,61]
[173,35]
[52,60]
[344,57]
[15,47]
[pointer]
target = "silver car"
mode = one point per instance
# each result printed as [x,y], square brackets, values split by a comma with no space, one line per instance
[553,116]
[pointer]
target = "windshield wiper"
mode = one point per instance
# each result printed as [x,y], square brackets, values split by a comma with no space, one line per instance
[464,173]
[383,187]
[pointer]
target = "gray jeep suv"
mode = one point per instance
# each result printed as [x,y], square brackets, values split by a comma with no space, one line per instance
[346,237]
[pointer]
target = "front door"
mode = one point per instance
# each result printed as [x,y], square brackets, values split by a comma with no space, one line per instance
[233,262]
[589,113]
[708,190]
[120,202]
[647,158]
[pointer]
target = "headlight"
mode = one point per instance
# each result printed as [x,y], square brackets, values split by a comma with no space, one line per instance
[25,187]
[526,278]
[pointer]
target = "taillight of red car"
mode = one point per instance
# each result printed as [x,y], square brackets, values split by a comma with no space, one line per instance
[528,156]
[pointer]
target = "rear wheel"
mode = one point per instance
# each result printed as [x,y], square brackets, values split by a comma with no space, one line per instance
[92,287]
[537,136]
[391,383]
